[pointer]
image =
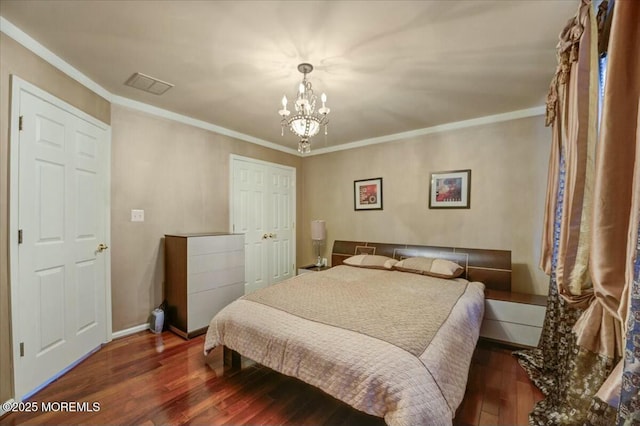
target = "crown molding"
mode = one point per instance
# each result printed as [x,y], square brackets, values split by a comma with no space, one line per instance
[489,119]
[34,46]
[38,49]
[163,113]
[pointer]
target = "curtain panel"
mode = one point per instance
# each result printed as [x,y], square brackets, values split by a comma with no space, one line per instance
[572,112]
[600,328]
[590,239]
[629,405]
[567,376]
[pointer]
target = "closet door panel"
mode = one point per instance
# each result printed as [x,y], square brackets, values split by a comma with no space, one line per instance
[263,209]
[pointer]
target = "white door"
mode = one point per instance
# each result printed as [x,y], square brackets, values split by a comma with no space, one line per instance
[263,208]
[59,297]
[248,206]
[281,235]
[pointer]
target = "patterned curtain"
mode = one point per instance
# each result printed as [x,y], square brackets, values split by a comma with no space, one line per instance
[572,113]
[567,375]
[590,245]
[629,409]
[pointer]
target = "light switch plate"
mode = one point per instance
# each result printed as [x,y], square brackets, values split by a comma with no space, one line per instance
[137,215]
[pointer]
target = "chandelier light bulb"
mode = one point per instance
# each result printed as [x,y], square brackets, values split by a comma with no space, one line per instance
[301,88]
[284,112]
[324,110]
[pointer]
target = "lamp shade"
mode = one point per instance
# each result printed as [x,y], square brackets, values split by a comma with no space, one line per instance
[318,230]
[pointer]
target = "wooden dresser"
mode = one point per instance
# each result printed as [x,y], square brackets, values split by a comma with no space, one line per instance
[203,274]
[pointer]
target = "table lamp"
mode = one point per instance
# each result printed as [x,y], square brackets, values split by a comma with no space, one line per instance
[318,235]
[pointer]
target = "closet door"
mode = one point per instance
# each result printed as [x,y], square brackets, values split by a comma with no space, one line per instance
[280,198]
[263,209]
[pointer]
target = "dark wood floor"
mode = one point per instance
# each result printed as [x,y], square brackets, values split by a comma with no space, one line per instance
[148,379]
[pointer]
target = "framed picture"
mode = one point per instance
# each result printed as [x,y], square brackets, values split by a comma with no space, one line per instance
[367,194]
[450,190]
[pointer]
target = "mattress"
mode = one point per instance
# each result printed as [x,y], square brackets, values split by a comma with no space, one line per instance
[392,344]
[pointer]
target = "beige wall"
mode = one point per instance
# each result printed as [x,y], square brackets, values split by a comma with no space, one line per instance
[179,176]
[177,173]
[508,161]
[15,59]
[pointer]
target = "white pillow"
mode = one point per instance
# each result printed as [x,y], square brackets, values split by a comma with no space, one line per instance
[445,269]
[371,261]
[440,268]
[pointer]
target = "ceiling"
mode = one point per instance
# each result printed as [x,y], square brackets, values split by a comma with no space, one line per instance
[387,66]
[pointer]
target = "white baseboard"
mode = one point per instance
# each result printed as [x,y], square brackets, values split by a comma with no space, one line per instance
[7,403]
[129,331]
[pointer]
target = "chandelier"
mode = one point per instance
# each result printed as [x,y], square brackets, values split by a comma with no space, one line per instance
[306,122]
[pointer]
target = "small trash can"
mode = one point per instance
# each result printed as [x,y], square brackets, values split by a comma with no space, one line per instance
[157,321]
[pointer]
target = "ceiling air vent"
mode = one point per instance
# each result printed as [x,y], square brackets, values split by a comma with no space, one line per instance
[148,84]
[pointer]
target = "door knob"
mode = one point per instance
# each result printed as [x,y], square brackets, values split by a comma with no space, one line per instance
[102,247]
[265,236]
[272,235]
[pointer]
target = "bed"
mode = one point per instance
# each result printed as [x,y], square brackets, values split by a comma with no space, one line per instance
[391,343]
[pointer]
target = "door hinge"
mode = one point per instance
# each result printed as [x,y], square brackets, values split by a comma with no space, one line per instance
[19,236]
[20,123]
[21,348]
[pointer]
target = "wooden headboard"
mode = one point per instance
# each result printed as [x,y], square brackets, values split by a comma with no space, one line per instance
[491,267]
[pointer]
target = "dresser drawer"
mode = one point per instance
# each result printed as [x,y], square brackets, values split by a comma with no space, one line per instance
[197,264]
[517,313]
[510,332]
[204,305]
[214,244]
[214,279]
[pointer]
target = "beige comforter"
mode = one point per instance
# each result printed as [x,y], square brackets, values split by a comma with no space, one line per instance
[392,344]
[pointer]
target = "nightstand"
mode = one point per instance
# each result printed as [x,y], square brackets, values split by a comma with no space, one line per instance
[513,318]
[311,268]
